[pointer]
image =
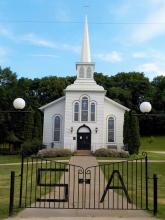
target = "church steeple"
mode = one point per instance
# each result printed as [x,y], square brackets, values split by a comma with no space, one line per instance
[85,68]
[85,50]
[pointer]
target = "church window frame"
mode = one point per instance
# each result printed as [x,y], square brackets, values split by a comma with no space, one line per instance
[81,72]
[76,112]
[111,129]
[89,72]
[57,128]
[92,113]
[84,109]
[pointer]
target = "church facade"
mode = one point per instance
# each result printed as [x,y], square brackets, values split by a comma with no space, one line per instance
[84,119]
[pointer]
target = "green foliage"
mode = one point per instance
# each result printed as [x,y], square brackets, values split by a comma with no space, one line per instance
[131,132]
[28,125]
[104,152]
[55,152]
[126,128]
[31,147]
[125,88]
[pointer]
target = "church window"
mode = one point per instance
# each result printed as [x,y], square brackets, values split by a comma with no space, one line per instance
[81,72]
[111,129]
[84,109]
[89,72]
[57,128]
[76,111]
[93,111]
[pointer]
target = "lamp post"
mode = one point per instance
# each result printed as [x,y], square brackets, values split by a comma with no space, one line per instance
[18,104]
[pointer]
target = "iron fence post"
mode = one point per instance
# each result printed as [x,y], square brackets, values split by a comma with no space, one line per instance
[155,193]
[11,202]
[21,180]
[146,176]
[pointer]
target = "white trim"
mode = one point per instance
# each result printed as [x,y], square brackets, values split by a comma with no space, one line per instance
[61,127]
[51,103]
[95,110]
[114,117]
[73,112]
[117,104]
[81,107]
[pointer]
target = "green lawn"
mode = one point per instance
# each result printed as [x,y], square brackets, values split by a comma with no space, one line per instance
[29,191]
[17,159]
[155,143]
[157,168]
[151,156]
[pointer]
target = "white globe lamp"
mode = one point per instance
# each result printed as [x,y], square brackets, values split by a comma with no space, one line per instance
[19,103]
[145,107]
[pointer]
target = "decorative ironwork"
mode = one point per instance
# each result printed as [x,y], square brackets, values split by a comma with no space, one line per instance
[52,184]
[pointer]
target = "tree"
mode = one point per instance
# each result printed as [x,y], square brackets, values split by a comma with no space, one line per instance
[131,132]
[126,128]
[28,125]
[37,130]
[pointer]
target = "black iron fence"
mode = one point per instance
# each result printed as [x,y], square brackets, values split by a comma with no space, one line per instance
[52,184]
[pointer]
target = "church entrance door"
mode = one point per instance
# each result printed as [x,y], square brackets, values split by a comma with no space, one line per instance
[84,138]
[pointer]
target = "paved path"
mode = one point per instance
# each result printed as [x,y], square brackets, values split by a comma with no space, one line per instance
[100,161]
[92,199]
[157,152]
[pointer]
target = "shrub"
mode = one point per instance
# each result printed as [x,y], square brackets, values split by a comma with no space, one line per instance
[55,152]
[131,132]
[31,147]
[103,152]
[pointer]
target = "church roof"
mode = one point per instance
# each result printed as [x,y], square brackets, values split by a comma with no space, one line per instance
[117,104]
[51,103]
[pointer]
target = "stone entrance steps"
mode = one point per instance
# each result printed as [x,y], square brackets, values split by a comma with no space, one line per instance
[82,153]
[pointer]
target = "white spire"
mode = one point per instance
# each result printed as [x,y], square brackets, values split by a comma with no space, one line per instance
[85,51]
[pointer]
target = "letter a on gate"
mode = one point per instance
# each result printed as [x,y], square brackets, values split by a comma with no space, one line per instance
[115,187]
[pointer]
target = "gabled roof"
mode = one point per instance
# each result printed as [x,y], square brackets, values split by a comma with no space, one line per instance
[117,104]
[42,108]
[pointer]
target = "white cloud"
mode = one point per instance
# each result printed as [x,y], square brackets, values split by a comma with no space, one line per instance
[152,68]
[38,41]
[44,55]
[112,57]
[151,54]
[75,49]
[7,33]
[139,54]
[154,26]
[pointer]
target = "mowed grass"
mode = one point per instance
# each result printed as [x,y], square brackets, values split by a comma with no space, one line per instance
[136,187]
[153,143]
[30,191]
[151,156]
[6,159]
[156,143]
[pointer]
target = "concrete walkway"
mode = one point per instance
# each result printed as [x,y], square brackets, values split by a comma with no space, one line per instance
[93,191]
[157,152]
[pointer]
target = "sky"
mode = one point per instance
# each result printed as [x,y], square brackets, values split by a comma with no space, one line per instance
[43,37]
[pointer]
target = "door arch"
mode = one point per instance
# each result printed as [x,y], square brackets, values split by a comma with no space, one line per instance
[84,138]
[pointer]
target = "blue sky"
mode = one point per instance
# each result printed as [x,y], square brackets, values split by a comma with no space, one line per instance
[43,37]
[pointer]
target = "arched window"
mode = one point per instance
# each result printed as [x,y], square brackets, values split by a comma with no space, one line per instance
[111,129]
[84,109]
[57,128]
[81,72]
[76,111]
[93,111]
[89,72]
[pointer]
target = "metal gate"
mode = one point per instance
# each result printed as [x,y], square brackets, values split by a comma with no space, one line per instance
[52,184]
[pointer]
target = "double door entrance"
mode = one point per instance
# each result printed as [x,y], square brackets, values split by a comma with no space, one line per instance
[84,138]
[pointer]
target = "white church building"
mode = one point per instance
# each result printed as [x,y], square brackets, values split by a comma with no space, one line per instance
[84,118]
